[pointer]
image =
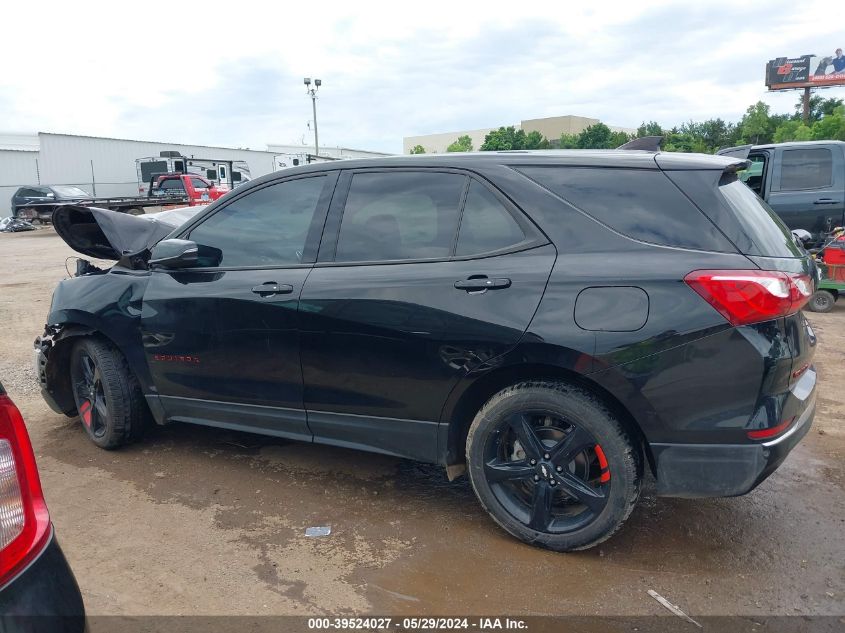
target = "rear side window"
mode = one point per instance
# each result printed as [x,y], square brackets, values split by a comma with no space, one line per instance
[486,224]
[806,169]
[759,222]
[642,204]
[400,215]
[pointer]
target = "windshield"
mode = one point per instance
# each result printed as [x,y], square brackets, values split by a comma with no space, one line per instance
[65,191]
[759,222]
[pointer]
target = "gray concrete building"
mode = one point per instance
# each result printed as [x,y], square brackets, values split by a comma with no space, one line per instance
[550,127]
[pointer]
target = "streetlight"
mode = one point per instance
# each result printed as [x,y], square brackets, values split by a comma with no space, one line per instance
[313,93]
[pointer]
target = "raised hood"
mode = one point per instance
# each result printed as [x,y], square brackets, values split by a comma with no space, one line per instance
[108,234]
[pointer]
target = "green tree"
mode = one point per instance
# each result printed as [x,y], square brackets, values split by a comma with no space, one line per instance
[535,140]
[504,138]
[831,127]
[597,136]
[756,125]
[819,107]
[568,141]
[418,149]
[652,128]
[792,130]
[463,144]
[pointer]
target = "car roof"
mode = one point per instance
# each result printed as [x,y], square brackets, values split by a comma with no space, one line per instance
[637,159]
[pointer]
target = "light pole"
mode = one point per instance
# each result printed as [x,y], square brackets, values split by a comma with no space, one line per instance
[313,93]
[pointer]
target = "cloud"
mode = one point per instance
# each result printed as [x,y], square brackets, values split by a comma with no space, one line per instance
[224,74]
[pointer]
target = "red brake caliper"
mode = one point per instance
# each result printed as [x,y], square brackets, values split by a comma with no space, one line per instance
[85,412]
[605,471]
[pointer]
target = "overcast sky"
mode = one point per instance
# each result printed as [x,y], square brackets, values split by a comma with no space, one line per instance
[230,73]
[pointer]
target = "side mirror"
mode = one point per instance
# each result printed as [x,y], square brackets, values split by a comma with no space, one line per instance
[174,254]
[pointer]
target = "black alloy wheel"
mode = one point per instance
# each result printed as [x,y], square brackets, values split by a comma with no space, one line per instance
[553,465]
[548,472]
[90,396]
[108,396]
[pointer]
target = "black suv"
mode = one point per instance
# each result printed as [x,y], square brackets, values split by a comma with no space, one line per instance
[552,322]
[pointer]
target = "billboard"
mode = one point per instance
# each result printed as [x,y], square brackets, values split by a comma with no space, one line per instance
[806,71]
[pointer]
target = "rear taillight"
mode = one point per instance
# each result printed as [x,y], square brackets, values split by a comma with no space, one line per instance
[765,434]
[24,520]
[751,296]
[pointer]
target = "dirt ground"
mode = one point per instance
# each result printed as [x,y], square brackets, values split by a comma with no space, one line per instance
[203,521]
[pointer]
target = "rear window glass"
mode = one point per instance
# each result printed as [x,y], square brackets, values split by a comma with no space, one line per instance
[642,204]
[762,226]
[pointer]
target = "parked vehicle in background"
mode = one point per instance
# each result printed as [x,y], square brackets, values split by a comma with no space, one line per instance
[38,592]
[223,174]
[38,202]
[804,182]
[494,312]
[184,187]
[283,161]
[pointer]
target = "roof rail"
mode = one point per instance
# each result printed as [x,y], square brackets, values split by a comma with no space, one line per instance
[648,143]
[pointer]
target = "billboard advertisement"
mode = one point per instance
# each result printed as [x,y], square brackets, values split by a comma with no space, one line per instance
[806,71]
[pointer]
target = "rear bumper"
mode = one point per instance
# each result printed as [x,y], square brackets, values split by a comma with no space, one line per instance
[728,470]
[44,597]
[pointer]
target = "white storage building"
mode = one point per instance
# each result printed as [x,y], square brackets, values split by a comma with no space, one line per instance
[106,166]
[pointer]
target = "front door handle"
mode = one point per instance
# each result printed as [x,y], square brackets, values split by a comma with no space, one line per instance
[482,284]
[825,201]
[270,288]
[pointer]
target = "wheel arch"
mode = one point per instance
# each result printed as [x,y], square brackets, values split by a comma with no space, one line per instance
[57,368]
[455,424]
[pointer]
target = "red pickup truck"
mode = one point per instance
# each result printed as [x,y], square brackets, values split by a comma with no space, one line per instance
[196,189]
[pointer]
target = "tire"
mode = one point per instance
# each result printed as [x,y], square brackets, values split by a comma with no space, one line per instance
[587,471]
[107,394]
[821,301]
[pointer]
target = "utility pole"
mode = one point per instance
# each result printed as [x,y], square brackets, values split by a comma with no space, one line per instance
[806,109]
[312,92]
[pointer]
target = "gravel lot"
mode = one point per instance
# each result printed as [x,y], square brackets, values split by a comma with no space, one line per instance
[205,521]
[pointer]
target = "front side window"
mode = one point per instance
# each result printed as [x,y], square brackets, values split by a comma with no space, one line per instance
[806,169]
[267,227]
[486,224]
[199,184]
[399,216]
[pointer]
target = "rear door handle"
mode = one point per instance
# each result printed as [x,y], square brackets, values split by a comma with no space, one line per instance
[825,201]
[481,284]
[270,288]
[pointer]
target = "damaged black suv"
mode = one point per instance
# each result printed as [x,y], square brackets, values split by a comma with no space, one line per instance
[553,323]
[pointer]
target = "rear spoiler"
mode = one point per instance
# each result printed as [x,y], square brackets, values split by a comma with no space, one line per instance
[647,143]
[741,151]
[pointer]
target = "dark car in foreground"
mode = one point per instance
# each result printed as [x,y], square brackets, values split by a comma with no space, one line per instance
[38,592]
[553,323]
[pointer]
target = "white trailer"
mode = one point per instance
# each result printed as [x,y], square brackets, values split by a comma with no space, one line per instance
[225,174]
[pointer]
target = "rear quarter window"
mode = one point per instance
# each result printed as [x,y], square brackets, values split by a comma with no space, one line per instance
[642,204]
